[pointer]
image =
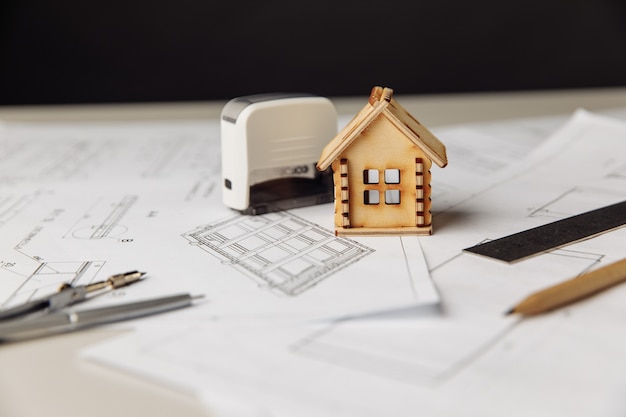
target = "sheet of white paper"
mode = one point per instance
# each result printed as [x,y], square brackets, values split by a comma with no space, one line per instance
[467,359]
[81,202]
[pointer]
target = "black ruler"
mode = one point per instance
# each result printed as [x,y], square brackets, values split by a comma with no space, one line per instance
[553,235]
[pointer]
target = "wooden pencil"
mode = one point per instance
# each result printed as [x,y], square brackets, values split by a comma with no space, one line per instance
[572,290]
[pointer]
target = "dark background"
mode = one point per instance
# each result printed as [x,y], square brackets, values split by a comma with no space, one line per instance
[84,51]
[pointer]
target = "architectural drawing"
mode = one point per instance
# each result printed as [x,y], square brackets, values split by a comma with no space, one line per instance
[103,219]
[284,252]
[161,152]
[10,206]
[577,200]
[184,153]
[387,354]
[46,278]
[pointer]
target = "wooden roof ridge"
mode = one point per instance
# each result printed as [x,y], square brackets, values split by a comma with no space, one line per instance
[381,101]
[375,106]
[417,133]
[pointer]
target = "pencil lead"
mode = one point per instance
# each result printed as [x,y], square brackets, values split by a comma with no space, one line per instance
[510,311]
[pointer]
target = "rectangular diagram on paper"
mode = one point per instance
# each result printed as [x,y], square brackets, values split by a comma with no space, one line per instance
[283,251]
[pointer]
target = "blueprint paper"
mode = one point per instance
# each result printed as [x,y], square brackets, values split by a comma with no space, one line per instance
[466,359]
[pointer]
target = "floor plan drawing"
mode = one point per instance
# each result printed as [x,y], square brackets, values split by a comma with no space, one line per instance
[285,252]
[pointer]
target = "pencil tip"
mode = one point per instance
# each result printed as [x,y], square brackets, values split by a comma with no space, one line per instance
[510,311]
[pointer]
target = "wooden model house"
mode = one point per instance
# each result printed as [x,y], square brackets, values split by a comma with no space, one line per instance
[381,170]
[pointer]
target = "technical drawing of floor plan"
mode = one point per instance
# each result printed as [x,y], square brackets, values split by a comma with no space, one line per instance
[285,252]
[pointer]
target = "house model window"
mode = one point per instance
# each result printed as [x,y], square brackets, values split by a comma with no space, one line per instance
[371,197]
[370,176]
[394,198]
[392,176]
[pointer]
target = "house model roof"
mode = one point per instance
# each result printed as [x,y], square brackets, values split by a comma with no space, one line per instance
[382,104]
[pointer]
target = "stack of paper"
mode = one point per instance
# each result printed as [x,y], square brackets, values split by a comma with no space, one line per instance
[300,322]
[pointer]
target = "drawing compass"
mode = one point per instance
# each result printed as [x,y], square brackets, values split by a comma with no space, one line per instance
[68,295]
[48,315]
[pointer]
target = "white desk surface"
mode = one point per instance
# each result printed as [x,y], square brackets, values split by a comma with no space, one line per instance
[46,376]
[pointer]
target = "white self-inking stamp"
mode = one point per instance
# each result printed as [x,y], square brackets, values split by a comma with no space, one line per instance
[270,145]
